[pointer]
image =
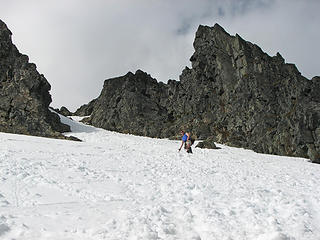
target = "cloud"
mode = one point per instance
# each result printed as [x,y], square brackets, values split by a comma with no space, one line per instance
[77,44]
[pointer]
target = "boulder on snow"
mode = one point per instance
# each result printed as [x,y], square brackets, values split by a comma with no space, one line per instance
[208,143]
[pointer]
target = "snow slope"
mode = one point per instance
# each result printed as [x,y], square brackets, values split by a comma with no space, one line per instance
[116,186]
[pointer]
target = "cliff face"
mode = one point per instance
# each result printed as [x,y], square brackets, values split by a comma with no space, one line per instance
[258,102]
[130,104]
[24,94]
[234,93]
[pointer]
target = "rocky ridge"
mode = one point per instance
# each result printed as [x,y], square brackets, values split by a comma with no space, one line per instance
[24,94]
[234,94]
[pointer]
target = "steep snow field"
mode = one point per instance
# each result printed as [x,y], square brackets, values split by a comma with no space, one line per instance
[116,186]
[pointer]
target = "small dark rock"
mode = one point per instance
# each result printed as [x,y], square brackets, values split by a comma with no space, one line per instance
[74,139]
[209,143]
[65,112]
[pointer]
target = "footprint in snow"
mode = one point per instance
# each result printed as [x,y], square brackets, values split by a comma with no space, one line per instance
[4,229]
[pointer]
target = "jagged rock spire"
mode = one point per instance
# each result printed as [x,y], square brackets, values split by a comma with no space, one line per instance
[24,94]
[234,94]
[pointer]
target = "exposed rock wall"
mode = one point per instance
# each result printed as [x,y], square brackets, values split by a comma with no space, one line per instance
[63,111]
[234,93]
[259,102]
[24,94]
[86,109]
[130,104]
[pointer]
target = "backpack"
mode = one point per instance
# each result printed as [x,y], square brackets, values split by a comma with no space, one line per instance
[192,139]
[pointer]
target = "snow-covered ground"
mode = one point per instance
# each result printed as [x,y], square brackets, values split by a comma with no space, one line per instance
[116,186]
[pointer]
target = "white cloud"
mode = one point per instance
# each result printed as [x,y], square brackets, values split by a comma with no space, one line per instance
[77,44]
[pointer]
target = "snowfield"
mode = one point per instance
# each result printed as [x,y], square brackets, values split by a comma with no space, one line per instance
[117,186]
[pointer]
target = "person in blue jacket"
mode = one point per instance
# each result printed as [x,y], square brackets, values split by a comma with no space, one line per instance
[186,141]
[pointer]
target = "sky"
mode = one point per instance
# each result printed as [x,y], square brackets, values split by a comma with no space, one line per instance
[77,44]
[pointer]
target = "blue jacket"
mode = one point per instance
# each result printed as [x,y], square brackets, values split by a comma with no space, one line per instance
[185,137]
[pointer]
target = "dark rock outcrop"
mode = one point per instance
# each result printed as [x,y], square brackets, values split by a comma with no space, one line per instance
[208,143]
[130,104]
[86,109]
[259,102]
[234,93]
[24,94]
[64,111]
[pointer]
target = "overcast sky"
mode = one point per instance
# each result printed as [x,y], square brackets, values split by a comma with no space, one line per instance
[77,44]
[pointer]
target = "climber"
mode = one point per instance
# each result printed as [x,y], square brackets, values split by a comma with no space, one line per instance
[186,140]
